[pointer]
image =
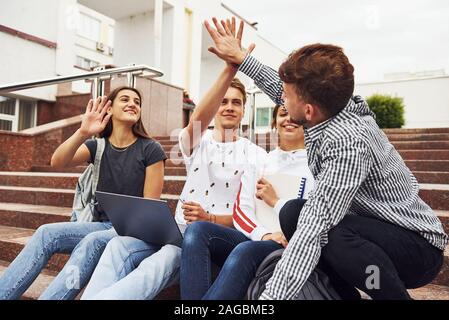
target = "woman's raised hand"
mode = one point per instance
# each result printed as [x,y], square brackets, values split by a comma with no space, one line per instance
[96,117]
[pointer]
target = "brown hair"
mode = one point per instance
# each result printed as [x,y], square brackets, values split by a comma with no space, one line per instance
[322,75]
[137,128]
[237,84]
[274,115]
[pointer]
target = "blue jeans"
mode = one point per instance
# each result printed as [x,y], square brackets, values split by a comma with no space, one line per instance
[239,269]
[131,269]
[85,240]
[204,243]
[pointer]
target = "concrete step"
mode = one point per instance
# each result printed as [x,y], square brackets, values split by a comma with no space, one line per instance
[428,165]
[78,169]
[434,154]
[168,142]
[31,216]
[39,179]
[432,177]
[416,130]
[419,145]
[67,181]
[37,196]
[175,171]
[435,195]
[54,197]
[419,137]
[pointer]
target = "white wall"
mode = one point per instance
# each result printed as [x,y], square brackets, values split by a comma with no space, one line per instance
[167,44]
[38,18]
[132,41]
[426,100]
[23,60]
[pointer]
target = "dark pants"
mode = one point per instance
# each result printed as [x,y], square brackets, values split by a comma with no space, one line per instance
[205,245]
[377,257]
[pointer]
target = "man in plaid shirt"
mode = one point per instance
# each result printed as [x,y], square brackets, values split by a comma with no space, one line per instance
[365,214]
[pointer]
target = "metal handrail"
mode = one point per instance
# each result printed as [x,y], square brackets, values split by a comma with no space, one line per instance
[252,92]
[98,76]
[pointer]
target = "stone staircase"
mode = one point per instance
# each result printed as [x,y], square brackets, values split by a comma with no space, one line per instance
[41,195]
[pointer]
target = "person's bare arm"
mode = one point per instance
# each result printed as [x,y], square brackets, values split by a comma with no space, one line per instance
[194,212]
[154,180]
[206,110]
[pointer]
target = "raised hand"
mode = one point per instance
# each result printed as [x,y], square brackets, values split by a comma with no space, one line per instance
[95,118]
[228,43]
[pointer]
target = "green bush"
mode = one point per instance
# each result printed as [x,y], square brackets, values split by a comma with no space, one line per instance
[389,110]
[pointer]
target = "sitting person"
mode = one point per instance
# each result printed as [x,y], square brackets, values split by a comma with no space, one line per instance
[131,163]
[242,260]
[215,160]
[365,198]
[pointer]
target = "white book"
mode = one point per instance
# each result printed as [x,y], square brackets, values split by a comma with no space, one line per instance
[286,187]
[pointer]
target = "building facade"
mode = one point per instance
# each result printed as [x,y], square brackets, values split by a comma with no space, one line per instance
[47,38]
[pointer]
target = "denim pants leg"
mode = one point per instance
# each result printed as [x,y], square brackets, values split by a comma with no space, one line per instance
[203,244]
[78,270]
[48,239]
[121,256]
[239,270]
[152,275]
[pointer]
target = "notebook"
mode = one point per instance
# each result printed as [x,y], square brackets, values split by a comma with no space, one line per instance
[287,187]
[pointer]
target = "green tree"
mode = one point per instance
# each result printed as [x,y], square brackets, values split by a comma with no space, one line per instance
[389,110]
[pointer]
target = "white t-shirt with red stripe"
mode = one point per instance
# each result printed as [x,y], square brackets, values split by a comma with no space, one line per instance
[278,161]
[214,171]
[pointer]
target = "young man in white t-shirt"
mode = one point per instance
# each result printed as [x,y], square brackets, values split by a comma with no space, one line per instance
[215,161]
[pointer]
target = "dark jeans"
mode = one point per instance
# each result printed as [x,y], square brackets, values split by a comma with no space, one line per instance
[358,245]
[239,270]
[204,244]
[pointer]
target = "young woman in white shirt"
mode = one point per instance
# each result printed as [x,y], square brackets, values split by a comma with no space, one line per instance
[239,268]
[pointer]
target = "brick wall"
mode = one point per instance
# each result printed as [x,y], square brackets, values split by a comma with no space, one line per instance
[19,151]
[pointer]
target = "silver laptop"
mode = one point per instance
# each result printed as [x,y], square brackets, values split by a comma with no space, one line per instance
[146,219]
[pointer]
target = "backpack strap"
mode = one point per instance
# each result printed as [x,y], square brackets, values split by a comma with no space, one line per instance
[97,163]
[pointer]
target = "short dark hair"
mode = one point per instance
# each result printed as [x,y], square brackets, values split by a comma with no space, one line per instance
[237,84]
[322,75]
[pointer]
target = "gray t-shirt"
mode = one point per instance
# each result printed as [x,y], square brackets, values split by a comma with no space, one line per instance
[123,170]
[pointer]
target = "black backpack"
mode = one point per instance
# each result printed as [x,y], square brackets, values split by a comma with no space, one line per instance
[317,287]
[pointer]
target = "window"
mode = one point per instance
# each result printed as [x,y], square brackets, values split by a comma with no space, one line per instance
[7,106]
[89,27]
[17,115]
[5,125]
[85,63]
[263,117]
[27,114]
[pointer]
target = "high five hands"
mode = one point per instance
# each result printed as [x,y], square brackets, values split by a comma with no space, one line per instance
[228,42]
